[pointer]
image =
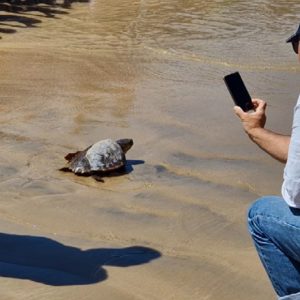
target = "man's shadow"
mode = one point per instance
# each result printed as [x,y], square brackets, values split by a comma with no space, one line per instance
[47,261]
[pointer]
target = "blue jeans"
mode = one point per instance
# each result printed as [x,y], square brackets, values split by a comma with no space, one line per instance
[275,229]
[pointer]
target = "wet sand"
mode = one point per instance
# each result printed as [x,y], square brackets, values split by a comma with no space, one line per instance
[174,227]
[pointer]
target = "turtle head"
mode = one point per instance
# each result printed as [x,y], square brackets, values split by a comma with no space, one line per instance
[125,144]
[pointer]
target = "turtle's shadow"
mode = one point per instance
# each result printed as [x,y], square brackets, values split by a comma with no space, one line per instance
[130,163]
[127,169]
[49,262]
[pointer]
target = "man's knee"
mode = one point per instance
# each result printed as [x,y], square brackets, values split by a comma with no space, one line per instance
[257,207]
[265,205]
[262,208]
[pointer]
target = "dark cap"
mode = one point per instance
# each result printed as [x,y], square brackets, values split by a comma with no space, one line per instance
[295,36]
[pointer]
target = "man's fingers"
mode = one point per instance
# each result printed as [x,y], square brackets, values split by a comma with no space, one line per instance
[238,111]
[259,109]
[260,105]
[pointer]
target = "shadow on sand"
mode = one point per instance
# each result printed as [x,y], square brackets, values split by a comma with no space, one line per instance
[132,162]
[19,13]
[49,262]
[127,169]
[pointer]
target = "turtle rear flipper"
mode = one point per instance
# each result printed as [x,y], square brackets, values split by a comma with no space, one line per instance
[70,156]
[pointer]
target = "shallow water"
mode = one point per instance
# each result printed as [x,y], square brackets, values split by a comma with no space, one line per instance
[152,71]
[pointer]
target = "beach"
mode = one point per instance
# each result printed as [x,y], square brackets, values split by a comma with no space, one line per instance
[175,226]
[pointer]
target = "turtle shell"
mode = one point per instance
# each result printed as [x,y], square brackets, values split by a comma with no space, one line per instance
[103,156]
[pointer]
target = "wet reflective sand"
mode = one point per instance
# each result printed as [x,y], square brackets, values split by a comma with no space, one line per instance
[149,70]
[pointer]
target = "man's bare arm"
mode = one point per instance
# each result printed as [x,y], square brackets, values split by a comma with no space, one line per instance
[276,145]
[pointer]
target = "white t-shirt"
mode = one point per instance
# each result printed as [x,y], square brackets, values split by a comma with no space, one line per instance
[291,178]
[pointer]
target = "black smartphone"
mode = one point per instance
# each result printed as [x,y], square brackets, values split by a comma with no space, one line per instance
[238,91]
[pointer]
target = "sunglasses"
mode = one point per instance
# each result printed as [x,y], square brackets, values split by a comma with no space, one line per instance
[296,45]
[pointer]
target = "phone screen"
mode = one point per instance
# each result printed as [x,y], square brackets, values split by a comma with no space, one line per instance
[238,91]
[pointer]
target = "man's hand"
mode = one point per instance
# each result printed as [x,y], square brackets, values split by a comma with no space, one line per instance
[253,120]
[275,144]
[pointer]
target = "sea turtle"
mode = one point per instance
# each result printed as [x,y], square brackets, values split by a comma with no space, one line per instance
[99,159]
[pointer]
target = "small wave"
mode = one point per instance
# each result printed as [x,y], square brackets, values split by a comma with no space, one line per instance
[171,53]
